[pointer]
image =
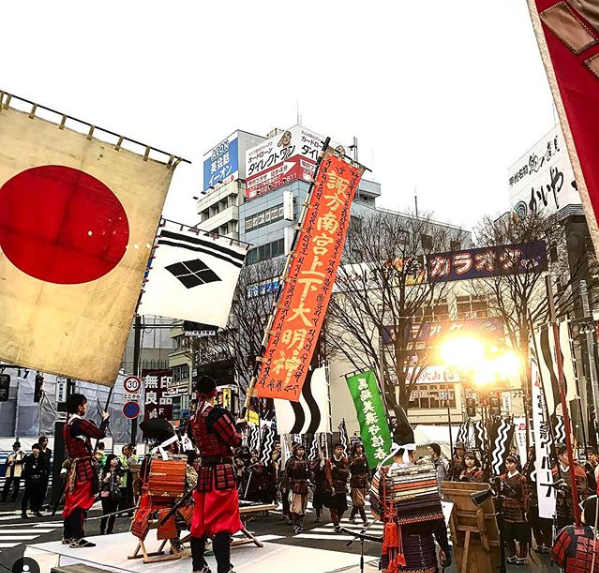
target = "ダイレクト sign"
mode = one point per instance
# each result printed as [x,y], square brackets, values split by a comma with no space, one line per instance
[309,282]
[158,403]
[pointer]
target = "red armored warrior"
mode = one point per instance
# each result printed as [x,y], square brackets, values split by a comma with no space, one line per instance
[216,513]
[576,549]
[82,482]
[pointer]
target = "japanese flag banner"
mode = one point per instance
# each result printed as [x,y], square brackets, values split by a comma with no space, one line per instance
[77,222]
[293,331]
[568,38]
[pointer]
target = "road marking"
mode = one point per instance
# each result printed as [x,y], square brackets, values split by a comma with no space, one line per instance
[322,537]
[9,544]
[17,537]
[39,531]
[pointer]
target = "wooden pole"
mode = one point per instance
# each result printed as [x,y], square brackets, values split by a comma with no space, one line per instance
[562,393]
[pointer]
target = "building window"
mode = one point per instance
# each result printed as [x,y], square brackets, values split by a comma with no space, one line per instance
[265,252]
[431,396]
[553,252]
[455,245]
[427,242]
[181,373]
[264,218]
[471,307]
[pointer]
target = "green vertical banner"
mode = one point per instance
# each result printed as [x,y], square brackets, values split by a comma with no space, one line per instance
[372,416]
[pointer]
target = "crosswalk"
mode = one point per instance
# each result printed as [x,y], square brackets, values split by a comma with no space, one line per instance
[17,534]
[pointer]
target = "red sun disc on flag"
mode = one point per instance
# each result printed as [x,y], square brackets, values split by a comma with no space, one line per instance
[61,225]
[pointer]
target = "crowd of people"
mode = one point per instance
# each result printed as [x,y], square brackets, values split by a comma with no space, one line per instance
[517,492]
[329,479]
[33,471]
[326,479]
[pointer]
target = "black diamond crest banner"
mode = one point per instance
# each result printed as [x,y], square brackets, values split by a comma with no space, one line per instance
[192,276]
[193,273]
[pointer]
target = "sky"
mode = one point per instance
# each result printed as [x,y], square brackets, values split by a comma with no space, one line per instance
[442,96]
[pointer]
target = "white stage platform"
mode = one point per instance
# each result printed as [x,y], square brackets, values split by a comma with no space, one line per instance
[111,552]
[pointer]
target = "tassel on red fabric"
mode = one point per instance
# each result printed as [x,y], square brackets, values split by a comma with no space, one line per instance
[390,537]
[401,558]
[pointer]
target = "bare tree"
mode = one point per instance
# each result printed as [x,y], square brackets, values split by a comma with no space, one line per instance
[520,298]
[240,342]
[382,291]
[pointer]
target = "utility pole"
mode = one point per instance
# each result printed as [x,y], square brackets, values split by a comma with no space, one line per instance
[589,331]
[62,396]
[136,371]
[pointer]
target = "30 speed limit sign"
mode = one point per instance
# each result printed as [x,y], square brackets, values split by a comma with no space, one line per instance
[132,384]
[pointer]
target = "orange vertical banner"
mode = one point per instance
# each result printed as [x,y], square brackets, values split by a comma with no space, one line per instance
[309,281]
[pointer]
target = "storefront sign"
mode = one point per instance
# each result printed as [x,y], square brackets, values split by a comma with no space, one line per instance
[158,403]
[487,262]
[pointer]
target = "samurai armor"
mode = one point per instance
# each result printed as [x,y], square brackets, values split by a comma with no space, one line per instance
[413,490]
[166,479]
[141,523]
[168,529]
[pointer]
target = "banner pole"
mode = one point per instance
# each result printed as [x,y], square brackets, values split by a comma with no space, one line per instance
[562,392]
[544,392]
[259,359]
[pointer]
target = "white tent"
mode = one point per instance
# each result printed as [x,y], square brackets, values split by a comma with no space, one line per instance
[424,435]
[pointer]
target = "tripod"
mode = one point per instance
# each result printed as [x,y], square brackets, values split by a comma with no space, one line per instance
[361,537]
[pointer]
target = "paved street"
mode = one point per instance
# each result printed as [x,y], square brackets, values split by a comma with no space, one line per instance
[16,533]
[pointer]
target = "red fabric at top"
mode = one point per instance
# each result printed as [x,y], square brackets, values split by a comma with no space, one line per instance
[579,89]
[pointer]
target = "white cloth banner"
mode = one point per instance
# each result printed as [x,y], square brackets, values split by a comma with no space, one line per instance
[192,276]
[311,414]
[542,440]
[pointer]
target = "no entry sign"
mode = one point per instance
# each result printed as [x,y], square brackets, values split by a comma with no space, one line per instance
[131,410]
[132,384]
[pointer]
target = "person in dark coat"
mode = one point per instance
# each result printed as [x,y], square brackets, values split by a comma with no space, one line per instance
[110,492]
[35,474]
[514,494]
[47,454]
[321,486]
[337,475]
[358,483]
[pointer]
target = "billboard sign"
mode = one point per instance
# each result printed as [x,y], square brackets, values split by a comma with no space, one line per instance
[289,156]
[158,401]
[221,163]
[542,180]
[490,328]
[487,262]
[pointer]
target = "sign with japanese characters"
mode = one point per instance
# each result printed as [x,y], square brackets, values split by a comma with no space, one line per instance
[490,328]
[309,280]
[542,180]
[542,441]
[158,401]
[487,262]
[221,164]
[287,157]
[372,417]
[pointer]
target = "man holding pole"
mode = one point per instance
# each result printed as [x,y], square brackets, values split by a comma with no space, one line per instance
[216,513]
[82,480]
